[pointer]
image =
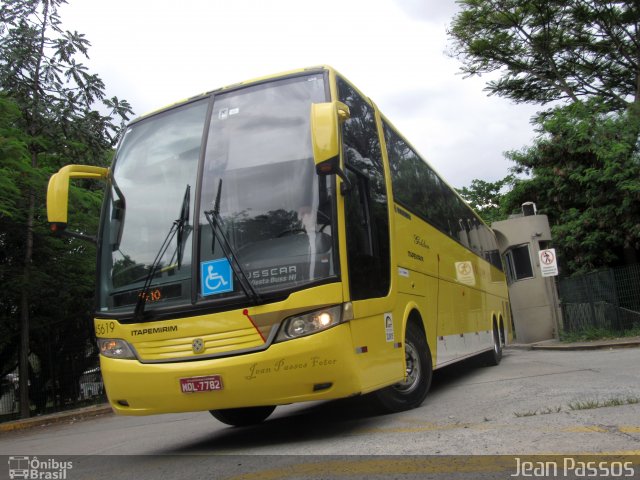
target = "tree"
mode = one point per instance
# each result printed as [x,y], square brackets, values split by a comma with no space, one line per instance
[546,50]
[585,172]
[15,156]
[583,167]
[486,197]
[56,97]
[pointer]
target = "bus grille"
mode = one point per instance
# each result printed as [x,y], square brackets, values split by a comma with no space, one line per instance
[214,344]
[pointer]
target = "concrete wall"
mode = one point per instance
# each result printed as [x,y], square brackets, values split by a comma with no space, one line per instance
[534,303]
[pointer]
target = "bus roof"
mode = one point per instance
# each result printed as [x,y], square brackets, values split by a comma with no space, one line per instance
[235,85]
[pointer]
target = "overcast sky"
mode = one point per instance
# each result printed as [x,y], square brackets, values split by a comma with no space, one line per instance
[155,52]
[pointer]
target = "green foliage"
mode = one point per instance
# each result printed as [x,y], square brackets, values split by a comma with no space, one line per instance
[550,50]
[583,167]
[14,155]
[39,69]
[486,198]
[598,333]
[51,114]
[585,175]
[14,169]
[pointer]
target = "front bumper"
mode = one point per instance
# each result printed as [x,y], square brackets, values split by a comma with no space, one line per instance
[318,367]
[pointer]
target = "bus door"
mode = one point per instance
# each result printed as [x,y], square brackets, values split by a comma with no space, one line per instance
[368,247]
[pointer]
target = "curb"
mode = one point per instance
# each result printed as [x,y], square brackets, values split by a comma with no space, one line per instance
[61,417]
[588,346]
[595,345]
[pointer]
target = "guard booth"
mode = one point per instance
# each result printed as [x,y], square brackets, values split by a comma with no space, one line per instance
[524,241]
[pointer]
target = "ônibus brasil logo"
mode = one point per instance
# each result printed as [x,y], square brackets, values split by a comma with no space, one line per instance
[34,468]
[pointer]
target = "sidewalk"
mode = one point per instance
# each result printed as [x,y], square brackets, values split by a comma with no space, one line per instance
[554,344]
[68,416]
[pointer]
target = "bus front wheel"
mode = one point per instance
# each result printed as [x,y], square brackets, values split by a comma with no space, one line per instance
[242,417]
[411,392]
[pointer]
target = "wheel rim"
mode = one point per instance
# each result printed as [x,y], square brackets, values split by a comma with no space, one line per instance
[414,371]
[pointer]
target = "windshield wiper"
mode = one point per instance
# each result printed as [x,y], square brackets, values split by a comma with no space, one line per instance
[177,227]
[118,215]
[183,225]
[215,222]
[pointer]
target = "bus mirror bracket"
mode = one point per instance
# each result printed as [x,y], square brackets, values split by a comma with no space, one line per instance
[58,195]
[326,119]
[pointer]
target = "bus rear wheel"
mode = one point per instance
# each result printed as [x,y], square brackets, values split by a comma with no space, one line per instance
[411,392]
[493,356]
[242,417]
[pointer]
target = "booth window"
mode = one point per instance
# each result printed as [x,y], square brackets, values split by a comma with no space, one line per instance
[518,262]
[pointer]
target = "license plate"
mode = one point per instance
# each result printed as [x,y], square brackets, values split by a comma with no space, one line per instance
[209,383]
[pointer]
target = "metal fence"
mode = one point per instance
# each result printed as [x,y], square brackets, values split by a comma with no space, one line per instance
[607,299]
[54,385]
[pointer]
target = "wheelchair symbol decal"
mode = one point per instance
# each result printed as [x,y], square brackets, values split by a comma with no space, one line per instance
[216,277]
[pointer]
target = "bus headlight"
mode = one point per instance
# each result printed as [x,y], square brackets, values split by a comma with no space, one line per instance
[115,348]
[312,322]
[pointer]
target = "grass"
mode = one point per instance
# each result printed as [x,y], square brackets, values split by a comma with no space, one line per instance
[526,414]
[611,402]
[598,333]
[582,405]
[549,410]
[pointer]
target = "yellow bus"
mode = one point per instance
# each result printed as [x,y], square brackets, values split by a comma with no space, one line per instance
[278,241]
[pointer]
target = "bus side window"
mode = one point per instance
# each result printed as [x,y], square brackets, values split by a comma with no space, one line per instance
[366,203]
[361,238]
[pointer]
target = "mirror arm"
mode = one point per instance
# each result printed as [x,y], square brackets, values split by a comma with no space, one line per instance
[346,185]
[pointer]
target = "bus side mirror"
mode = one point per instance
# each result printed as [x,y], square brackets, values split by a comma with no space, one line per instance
[58,192]
[325,138]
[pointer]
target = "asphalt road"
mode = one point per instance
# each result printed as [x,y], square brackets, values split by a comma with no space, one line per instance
[535,402]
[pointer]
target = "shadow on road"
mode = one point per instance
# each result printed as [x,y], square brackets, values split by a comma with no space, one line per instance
[307,422]
[311,422]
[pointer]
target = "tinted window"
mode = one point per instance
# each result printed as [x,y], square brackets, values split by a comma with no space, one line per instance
[418,187]
[366,202]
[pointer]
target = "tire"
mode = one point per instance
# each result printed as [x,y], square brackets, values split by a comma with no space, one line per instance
[493,357]
[242,417]
[411,392]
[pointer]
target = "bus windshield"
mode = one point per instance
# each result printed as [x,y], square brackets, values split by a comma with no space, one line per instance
[259,178]
[271,210]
